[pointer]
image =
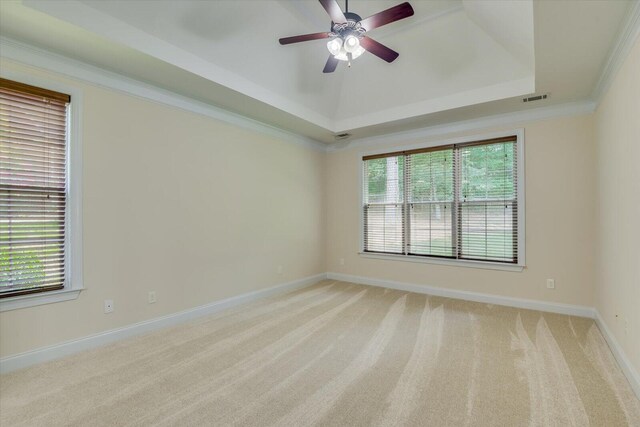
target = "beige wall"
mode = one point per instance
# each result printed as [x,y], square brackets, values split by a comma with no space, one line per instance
[560,219]
[199,210]
[193,208]
[617,131]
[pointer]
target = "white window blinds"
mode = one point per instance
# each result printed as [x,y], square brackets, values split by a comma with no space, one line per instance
[487,202]
[431,203]
[33,136]
[455,201]
[384,207]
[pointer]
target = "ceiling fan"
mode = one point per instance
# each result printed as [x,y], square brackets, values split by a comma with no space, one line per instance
[348,39]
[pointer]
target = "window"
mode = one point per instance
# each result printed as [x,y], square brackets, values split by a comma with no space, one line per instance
[457,201]
[33,189]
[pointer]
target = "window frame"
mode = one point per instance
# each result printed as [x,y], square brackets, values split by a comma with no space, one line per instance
[73,283]
[491,265]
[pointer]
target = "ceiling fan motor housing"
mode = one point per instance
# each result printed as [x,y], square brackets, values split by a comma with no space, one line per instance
[351,27]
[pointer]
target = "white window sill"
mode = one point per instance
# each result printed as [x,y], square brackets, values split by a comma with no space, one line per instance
[30,300]
[443,261]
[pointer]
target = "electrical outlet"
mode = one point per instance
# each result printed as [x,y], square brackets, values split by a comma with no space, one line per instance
[279,269]
[341,261]
[108,306]
[551,284]
[152,297]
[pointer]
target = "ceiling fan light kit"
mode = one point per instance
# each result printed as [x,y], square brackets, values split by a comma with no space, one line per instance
[348,39]
[345,39]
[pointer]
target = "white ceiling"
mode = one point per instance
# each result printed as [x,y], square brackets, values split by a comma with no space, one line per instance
[458,59]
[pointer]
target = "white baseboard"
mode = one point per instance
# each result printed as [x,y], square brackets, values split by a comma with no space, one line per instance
[552,307]
[627,368]
[44,354]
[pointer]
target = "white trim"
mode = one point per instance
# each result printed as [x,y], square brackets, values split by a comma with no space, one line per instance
[519,133]
[485,265]
[625,364]
[30,300]
[73,215]
[518,117]
[509,89]
[23,360]
[115,29]
[551,307]
[33,56]
[75,167]
[528,304]
[623,45]
[44,354]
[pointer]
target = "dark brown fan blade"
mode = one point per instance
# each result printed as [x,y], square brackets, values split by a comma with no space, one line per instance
[331,65]
[379,50]
[388,16]
[334,11]
[303,38]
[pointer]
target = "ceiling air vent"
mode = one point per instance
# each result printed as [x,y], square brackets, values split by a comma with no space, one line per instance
[341,136]
[535,98]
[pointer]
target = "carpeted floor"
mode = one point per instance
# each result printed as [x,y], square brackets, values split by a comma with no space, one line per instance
[338,354]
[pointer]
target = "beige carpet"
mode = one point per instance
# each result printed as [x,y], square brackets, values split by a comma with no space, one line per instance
[338,354]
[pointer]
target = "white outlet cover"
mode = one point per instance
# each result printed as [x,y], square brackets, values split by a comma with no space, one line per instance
[551,284]
[152,297]
[108,306]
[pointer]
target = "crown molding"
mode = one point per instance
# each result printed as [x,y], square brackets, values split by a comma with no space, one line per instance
[532,115]
[465,98]
[115,29]
[36,57]
[625,41]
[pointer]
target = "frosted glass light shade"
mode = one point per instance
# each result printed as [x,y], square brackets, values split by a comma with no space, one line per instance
[339,48]
[351,44]
[335,46]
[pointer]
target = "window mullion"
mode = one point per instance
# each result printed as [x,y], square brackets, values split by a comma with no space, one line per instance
[406,208]
[455,216]
[515,235]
